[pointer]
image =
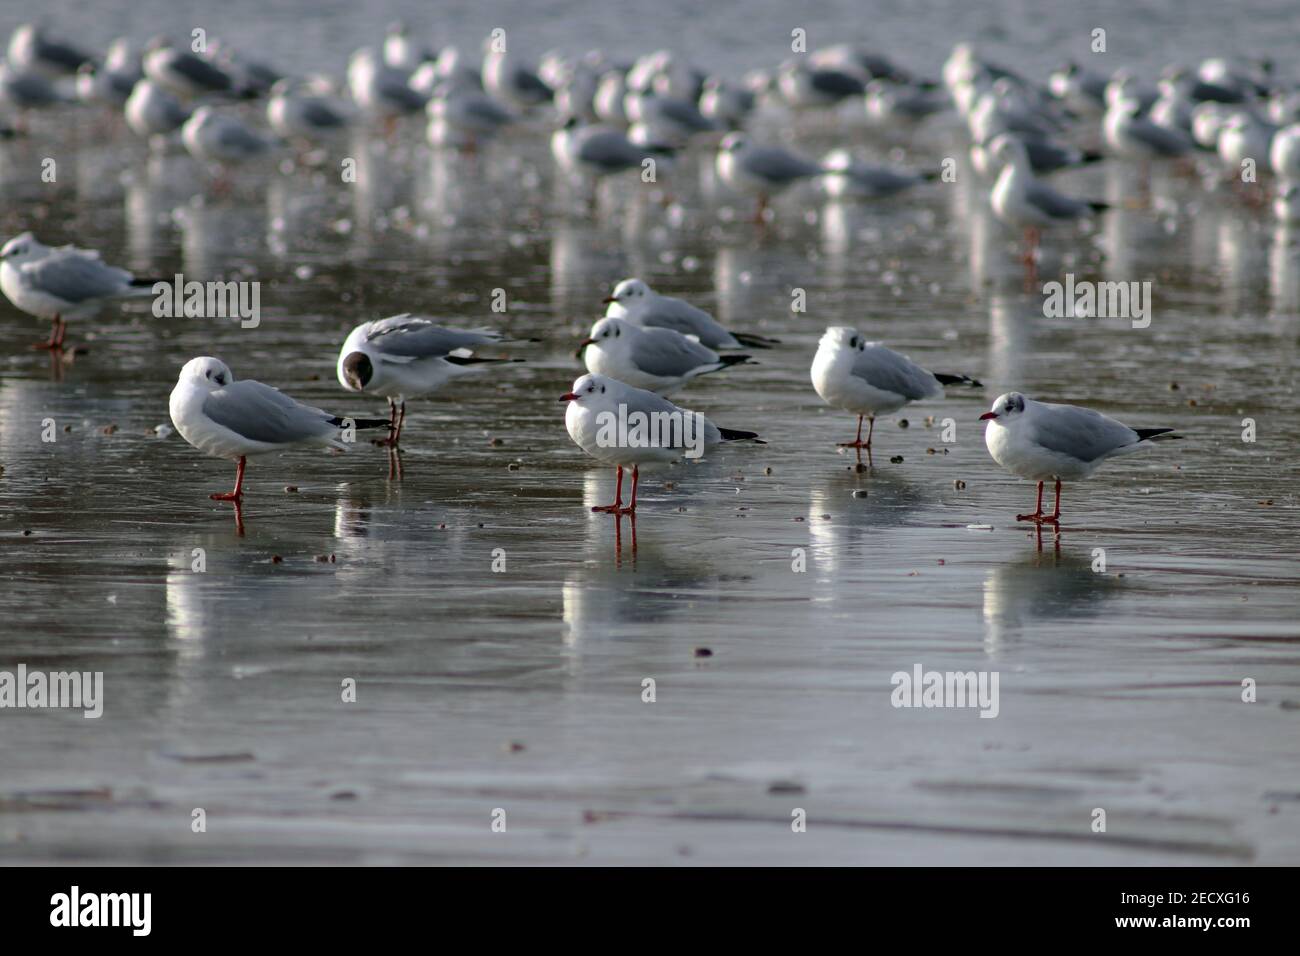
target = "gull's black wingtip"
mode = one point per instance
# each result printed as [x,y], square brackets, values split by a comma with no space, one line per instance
[1146,434]
[732,434]
[958,380]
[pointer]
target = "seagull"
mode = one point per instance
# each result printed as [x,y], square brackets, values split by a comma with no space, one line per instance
[512,82]
[306,110]
[641,305]
[868,379]
[214,137]
[595,406]
[234,419]
[380,90]
[1128,133]
[658,359]
[1243,138]
[30,49]
[1284,153]
[1045,156]
[889,103]
[405,356]
[849,177]
[1080,90]
[61,283]
[1021,200]
[805,87]
[761,171]
[727,104]
[597,150]
[183,72]
[461,114]
[25,89]
[1040,441]
[152,111]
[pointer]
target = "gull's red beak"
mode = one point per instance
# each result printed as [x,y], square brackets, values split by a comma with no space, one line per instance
[609,298]
[988,416]
[568,396]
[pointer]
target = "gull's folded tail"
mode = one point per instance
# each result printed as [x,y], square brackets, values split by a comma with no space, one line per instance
[1145,434]
[752,341]
[338,421]
[731,434]
[475,360]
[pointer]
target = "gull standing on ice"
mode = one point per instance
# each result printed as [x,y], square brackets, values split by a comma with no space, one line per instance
[1021,200]
[233,419]
[868,379]
[405,356]
[62,283]
[761,171]
[597,400]
[641,305]
[1041,442]
[658,359]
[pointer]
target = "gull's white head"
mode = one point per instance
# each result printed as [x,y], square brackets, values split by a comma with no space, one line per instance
[607,330]
[1008,150]
[589,389]
[628,292]
[1006,408]
[732,143]
[22,248]
[207,372]
[842,337]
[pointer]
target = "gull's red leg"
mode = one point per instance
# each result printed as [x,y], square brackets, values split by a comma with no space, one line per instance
[238,494]
[58,329]
[1038,511]
[616,507]
[631,509]
[394,428]
[858,442]
[1056,511]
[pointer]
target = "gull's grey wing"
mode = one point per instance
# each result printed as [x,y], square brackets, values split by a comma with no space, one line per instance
[485,110]
[680,316]
[75,276]
[407,337]
[1164,141]
[321,115]
[261,413]
[669,354]
[393,87]
[1046,156]
[835,83]
[683,113]
[610,150]
[885,369]
[235,135]
[199,71]
[1080,433]
[779,166]
[1054,204]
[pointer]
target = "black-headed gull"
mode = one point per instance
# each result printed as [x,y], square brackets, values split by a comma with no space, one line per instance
[183,72]
[61,283]
[595,150]
[641,305]
[1041,442]
[658,359]
[213,137]
[151,110]
[307,110]
[31,48]
[233,419]
[1019,199]
[629,428]
[1129,133]
[761,171]
[803,86]
[868,379]
[848,177]
[509,80]
[405,356]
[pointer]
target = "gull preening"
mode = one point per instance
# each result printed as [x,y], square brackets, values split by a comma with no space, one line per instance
[1045,442]
[62,283]
[658,359]
[233,419]
[641,305]
[596,404]
[868,379]
[406,356]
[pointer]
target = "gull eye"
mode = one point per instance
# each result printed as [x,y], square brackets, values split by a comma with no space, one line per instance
[853,342]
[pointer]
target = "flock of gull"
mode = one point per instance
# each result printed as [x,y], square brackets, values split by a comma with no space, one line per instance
[633,122]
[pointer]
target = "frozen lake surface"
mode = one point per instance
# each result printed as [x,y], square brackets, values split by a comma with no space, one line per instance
[1121,646]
